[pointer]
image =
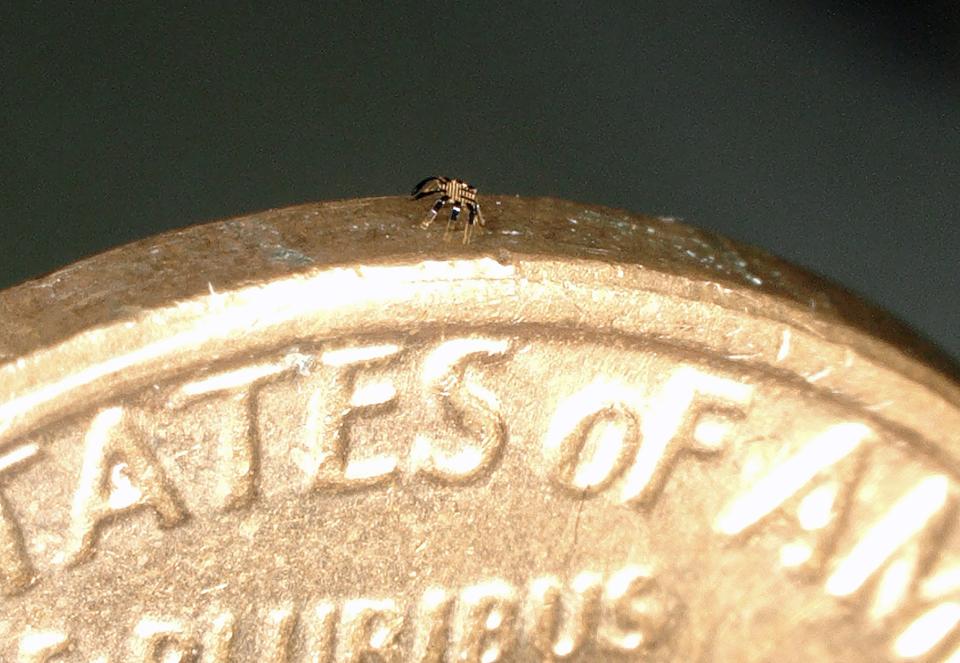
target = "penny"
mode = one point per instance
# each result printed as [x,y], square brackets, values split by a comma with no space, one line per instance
[323,433]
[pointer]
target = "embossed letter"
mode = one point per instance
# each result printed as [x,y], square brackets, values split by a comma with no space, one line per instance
[895,548]
[154,641]
[280,623]
[433,627]
[472,407]
[554,641]
[486,622]
[218,641]
[330,413]
[15,568]
[370,630]
[118,474]
[41,646]
[635,613]
[836,457]
[321,625]
[673,425]
[236,423]
[604,412]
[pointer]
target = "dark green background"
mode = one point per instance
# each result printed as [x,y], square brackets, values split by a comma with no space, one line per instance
[826,132]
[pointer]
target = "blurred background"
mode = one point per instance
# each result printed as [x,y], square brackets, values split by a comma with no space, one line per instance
[827,132]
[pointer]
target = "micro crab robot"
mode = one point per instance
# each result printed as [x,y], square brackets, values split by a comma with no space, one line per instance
[456,192]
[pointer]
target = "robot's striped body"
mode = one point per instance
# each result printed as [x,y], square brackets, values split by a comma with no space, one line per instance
[456,192]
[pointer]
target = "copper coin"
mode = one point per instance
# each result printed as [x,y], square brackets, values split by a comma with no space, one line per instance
[323,433]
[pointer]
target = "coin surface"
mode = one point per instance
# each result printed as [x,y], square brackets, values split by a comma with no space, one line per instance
[324,434]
